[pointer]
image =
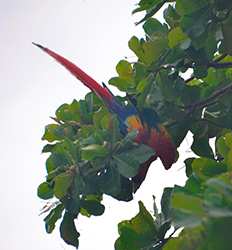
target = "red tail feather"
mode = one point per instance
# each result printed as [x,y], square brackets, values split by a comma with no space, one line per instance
[79,74]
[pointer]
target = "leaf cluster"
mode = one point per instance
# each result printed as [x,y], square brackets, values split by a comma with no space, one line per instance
[194,39]
[183,73]
[88,157]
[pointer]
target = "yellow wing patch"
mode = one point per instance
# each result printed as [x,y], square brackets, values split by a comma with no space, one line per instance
[133,122]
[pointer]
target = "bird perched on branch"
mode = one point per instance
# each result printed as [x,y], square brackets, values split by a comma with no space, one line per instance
[149,131]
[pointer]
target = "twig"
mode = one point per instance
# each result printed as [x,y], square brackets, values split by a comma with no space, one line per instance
[164,241]
[201,104]
[225,17]
[219,58]
[56,120]
[217,65]
[211,64]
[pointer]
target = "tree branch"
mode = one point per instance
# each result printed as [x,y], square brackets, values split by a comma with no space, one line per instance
[202,104]
[215,65]
[211,99]
[220,65]
[56,120]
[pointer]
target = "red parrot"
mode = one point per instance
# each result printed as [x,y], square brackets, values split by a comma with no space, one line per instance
[149,131]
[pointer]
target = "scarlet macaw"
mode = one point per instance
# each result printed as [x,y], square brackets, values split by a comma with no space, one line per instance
[150,133]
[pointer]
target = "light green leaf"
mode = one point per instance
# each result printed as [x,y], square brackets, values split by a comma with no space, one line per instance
[93,151]
[124,70]
[45,191]
[205,168]
[176,37]
[137,233]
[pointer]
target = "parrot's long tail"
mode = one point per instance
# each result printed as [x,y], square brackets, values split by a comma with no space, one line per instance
[87,80]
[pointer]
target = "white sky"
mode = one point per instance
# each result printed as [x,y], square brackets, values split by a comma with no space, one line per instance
[94,34]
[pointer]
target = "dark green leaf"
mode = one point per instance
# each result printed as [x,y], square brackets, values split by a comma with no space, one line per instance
[93,207]
[166,203]
[201,147]
[226,28]
[51,219]
[68,230]
[188,166]
[171,16]
[153,27]
[128,162]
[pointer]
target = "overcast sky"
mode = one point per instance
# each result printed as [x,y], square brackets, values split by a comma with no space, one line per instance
[94,35]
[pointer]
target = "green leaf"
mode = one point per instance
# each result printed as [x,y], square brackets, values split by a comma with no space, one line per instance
[155,6]
[137,233]
[153,27]
[146,4]
[176,37]
[69,112]
[68,230]
[62,184]
[188,204]
[188,166]
[85,112]
[126,165]
[45,191]
[121,84]
[101,118]
[171,16]
[129,162]
[188,210]
[166,203]
[201,147]
[56,160]
[193,185]
[188,239]
[142,85]
[48,148]
[222,147]
[218,196]
[187,7]
[49,133]
[51,219]
[93,207]
[227,35]
[205,168]
[124,70]
[94,151]
[200,71]
[54,132]
[228,139]
[148,51]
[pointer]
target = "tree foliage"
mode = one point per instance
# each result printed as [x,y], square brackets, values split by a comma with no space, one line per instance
[184,73]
